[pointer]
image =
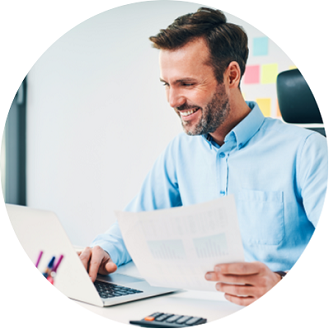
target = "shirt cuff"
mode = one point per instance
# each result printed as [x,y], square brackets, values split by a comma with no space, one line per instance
[107,247]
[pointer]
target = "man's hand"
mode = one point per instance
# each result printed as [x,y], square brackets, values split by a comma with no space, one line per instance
[96,260]
[243,283]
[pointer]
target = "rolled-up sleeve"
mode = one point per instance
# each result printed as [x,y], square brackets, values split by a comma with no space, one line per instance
[160,190]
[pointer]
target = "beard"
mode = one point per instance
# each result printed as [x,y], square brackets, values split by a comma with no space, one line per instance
[213,114]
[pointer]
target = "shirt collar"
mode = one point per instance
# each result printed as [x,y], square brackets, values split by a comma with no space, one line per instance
[249,126]
[246,129]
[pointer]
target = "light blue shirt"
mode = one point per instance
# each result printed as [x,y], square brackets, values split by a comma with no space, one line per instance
[277,173]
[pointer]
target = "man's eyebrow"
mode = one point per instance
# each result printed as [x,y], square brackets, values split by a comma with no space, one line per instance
[180,80]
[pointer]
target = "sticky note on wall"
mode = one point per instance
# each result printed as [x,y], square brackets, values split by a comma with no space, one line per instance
[269,73]
[264,105]
[278,112]
[260,46]
[251,74]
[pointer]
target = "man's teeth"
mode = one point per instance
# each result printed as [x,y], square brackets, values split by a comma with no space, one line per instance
[184,114]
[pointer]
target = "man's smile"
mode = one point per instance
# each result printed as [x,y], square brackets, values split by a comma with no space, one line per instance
[187,113]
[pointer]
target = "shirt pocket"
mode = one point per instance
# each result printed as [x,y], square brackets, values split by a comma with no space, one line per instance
[261,217]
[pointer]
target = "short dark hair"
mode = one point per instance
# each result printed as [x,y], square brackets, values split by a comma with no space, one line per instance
[227,42]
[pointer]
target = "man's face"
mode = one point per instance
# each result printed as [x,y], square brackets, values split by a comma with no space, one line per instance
[192,89]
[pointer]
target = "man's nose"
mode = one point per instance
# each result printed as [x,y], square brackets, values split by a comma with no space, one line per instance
[175,98]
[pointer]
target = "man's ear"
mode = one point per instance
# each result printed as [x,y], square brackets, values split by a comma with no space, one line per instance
[233,75]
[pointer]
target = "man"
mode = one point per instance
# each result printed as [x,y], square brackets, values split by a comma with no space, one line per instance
[277,172]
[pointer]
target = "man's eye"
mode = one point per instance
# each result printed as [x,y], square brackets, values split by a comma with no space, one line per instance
[188,84]
[165,84]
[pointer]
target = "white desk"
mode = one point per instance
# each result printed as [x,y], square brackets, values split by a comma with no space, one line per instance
[209,305]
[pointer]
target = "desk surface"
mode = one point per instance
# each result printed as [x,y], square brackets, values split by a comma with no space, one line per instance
[209,305]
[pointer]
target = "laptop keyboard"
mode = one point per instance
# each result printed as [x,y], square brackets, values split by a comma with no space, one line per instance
[111,290]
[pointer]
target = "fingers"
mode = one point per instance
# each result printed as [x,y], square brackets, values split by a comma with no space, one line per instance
[110,266]
[243,283]
[236,290]
[84,256]
[246,273]
[242,268]
[242,301]
[240,279]
[242,290]
[96,260]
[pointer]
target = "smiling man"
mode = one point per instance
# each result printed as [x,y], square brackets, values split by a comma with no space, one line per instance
[194,92]
[277,172]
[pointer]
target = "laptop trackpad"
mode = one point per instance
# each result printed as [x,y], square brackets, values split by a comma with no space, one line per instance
[119,278]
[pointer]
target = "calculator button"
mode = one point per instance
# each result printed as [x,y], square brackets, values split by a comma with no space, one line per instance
[163,317]
[183,319]
[173,318]
[154,315]
[192,321]
[149,318]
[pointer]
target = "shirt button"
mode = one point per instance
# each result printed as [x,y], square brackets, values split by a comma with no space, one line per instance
[221,155]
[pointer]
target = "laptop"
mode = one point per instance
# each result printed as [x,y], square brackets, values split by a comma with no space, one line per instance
[40,230]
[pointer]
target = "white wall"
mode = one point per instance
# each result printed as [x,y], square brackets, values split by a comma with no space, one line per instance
[97,117]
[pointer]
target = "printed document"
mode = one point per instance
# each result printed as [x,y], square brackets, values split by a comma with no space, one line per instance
[175,247]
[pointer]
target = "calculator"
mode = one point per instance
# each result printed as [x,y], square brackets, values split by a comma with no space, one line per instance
[168,320]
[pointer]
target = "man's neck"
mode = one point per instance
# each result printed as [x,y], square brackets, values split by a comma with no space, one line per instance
[239,110]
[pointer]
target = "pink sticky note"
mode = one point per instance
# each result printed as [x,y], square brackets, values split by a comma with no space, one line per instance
[251,74]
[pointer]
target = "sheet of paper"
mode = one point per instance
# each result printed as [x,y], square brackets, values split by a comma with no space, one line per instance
[175,247]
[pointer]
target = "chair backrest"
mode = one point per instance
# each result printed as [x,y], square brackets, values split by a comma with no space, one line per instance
[296,101]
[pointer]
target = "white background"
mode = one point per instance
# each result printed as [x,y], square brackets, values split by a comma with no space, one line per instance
[29,28]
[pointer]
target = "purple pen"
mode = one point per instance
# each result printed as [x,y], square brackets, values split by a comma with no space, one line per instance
[54,269]
[38,260]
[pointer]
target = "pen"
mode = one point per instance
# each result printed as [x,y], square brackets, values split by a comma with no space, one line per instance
[52,274]
[48,268]
[50,279]
[57,264]
[38,260]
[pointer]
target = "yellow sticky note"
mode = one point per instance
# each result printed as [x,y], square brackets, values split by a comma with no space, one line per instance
[292,67]
[264,105]
[269,73]
[278,112]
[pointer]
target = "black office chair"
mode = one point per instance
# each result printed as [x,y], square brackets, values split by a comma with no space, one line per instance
[297,103]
